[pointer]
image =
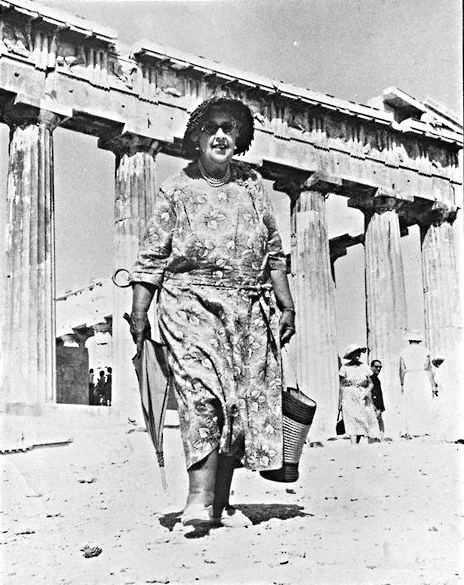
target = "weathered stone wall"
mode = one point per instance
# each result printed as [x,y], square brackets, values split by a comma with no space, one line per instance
[72,367]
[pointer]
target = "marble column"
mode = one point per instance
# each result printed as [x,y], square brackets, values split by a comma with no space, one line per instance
[314,292]
[386,310]
[443,312]
[28,353]
[135,192]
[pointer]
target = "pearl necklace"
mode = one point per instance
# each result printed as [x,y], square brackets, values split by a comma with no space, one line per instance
[213,181]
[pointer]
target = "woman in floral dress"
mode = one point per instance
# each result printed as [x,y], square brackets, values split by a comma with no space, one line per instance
[356,399]
[211,234]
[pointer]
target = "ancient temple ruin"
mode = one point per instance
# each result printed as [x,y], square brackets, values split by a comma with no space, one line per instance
[397,162]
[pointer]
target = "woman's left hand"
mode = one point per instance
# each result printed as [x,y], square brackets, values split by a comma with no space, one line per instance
[286,326]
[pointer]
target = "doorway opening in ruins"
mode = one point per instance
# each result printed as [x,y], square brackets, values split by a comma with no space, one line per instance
[84,201]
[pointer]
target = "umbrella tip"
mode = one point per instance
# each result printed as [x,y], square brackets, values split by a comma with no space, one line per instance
[163,479]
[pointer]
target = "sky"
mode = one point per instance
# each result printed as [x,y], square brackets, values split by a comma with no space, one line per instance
[352,49]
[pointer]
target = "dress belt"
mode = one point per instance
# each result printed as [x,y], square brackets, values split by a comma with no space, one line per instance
[216,278]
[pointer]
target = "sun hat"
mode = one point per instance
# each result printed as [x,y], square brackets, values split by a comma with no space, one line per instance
[413,336]
[352,348]
[237,108]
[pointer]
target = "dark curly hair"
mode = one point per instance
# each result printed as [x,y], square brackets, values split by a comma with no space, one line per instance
[240,111]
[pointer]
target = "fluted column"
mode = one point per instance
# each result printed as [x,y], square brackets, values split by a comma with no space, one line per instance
[385,299]
[135,191]
[442,303]
[28,340]
[314,291]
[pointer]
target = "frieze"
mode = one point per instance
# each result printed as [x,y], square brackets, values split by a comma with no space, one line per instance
[332,129]
[15,37]
[123,71]
[45,48]
[69,55]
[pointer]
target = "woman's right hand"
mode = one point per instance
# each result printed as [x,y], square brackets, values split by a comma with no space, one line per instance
[140,328]
[142,295]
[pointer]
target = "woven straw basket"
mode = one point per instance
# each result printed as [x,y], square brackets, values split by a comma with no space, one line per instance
[298,413]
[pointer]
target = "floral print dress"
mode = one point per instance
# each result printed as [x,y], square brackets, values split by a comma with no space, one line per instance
[205,248]
[358,410]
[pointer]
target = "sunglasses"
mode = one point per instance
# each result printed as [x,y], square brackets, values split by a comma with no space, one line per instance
[211,127]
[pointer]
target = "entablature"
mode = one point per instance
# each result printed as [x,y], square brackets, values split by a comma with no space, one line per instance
[72,64]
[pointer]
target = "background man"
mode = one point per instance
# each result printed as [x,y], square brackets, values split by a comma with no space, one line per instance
[377,396]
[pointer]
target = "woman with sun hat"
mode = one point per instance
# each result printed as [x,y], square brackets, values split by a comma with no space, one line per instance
[210,237]
[356,400]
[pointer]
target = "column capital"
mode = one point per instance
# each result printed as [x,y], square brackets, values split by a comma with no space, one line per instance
[20,115]
[295,183]
[437,214]
[381,202]
[292,184]
[323,183]
[129,143]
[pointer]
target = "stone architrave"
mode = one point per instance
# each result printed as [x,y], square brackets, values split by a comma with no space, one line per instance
[440,277]
[386,310]
[314,291]
[135,192]
[28,354]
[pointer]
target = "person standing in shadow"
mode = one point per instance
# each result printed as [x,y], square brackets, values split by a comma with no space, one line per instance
[100,389]
[91,387]
[377,395]
[108,384]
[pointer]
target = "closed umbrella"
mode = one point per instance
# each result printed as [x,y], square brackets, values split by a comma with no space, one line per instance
[153,374]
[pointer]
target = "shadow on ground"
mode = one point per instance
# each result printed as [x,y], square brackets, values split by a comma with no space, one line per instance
[257,513]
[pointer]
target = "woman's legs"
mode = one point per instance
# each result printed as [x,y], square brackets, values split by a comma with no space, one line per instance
[224,475]
[210,481]
[209,485]
[202,481]
[223,513]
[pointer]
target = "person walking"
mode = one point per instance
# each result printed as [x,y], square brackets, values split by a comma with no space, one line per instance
[207,244]
[417,386]
[91,387]
[355,393]
[100,389]
[377,395]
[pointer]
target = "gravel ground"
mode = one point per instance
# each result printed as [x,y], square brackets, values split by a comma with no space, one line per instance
[94,512]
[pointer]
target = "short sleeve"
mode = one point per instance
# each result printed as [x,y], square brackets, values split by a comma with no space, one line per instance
[276,256]
[156,244]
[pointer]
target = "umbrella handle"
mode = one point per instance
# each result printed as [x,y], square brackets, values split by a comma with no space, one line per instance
[125,275]
[232,412]
[229,434]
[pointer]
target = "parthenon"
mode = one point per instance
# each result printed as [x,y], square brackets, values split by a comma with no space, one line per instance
[398,162]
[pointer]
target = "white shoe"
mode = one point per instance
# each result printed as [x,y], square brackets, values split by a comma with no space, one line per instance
[196,515]
[233,518]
